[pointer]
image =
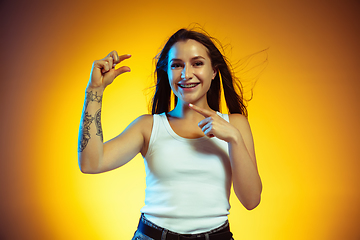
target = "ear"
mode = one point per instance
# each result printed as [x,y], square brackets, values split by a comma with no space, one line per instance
[214,73]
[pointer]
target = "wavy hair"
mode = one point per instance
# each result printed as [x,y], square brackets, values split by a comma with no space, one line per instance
[232,88]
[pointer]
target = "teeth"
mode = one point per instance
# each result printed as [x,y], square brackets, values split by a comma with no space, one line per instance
[188,85]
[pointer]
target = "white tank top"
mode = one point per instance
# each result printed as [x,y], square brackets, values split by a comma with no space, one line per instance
[188,181]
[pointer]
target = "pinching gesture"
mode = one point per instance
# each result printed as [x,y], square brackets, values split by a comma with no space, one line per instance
[103,71]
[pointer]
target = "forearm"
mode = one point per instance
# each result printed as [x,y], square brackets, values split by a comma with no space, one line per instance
[90,144]
[246,180]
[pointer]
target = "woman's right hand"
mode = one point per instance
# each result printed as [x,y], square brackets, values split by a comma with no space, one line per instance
[103,71]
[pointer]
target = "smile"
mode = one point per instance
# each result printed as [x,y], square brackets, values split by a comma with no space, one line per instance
[189,85]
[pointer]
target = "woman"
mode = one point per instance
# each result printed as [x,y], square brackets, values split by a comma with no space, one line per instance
[192,152]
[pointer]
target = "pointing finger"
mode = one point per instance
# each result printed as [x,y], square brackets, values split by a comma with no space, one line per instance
[204,112]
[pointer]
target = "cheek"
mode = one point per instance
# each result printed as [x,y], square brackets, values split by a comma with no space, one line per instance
[206,76]
[171,79]
[172,84]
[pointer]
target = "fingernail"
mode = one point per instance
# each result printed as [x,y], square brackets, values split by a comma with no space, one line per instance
[190,105]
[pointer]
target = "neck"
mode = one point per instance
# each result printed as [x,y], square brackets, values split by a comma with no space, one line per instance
[182,110]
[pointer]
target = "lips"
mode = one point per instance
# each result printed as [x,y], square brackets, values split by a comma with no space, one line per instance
[188,85]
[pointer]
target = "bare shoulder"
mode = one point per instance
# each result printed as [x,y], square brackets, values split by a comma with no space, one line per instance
[144,122]
[241,123]
[136,137]
[145,119]
[141,125]
[239,120]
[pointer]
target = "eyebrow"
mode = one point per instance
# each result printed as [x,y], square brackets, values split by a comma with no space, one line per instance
[194,58]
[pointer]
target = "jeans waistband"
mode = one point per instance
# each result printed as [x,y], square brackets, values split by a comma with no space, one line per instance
[152,230]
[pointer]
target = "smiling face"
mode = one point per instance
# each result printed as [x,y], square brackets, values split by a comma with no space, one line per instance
[190,71]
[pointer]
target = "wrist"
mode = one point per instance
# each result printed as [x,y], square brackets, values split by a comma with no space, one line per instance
[99,89]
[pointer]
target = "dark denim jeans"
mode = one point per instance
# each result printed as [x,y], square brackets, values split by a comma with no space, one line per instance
[140,236]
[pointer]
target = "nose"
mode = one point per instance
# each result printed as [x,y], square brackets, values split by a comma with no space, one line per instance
[187,73]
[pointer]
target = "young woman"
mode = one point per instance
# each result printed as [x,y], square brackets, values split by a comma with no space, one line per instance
[193,153]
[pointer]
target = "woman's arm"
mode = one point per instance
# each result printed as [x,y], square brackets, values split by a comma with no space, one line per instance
[90,145]
[94,156]
[246,180]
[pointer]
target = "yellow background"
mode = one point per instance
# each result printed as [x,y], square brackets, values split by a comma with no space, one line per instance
[304,114]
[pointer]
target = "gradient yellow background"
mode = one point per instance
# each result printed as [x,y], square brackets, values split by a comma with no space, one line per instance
[304,115]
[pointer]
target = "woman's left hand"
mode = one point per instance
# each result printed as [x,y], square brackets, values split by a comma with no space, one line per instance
[215,126]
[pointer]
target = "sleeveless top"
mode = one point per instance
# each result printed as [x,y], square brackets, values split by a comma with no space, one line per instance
[188,181]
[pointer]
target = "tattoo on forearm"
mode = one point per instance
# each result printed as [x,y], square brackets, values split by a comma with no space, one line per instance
[92,97]
[88,119]
[98,124]
[85,131]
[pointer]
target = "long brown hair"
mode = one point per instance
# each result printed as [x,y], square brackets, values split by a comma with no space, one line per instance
[231,85]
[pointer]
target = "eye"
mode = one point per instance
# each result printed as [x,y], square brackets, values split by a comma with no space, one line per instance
[198,64]
[175,65]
